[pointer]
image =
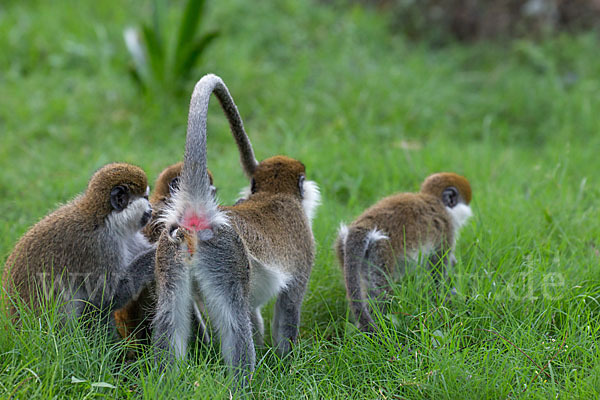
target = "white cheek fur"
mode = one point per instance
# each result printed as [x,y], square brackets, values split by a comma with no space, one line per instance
[460,214]
[311,200]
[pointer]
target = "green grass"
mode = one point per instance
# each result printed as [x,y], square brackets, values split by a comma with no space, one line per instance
[369,114]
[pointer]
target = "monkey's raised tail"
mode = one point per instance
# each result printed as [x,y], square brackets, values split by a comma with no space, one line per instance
[199,209]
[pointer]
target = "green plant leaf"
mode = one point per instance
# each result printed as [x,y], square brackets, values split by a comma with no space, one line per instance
[188,26]
[193,53]
[155,52]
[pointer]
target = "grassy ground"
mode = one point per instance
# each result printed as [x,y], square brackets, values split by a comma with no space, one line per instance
[369,115]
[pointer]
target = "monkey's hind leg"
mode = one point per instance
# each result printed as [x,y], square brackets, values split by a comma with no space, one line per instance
[377,271]
[223,272]
[229,312]
[286,316]
[354,264]
[172,322]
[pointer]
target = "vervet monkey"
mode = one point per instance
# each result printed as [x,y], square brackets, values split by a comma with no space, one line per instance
[90,253]
[239,256]
[396,230]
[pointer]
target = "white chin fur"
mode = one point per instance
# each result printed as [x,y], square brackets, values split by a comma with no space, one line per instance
[311,200]
[129,220]
[460,214]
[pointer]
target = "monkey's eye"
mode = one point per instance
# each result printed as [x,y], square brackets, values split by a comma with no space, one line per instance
[450,197]
[174,185]
[301,185]
[119,197]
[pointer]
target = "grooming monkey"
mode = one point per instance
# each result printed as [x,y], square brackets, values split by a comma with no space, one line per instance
[239,256]
[89,254]
[396,230]
[133,320]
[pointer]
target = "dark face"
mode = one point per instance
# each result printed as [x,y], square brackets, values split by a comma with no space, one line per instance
[121,197]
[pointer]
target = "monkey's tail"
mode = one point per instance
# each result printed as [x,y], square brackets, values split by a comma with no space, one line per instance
[194,206]
[207,85]
[354,243]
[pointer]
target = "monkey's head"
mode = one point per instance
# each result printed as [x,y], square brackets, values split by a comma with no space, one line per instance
[167,183]
[454,191]
[118,194]
[279,174]
[451,188]
[284,175]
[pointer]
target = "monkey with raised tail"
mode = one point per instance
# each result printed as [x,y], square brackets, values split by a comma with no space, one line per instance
[239,256]
[135,316]
[90,253]
[399,229]
[133,320]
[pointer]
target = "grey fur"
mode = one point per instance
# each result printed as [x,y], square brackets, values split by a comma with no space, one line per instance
[257,249]
[194,175]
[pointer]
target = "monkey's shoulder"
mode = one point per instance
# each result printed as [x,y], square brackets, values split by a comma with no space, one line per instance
[403,210]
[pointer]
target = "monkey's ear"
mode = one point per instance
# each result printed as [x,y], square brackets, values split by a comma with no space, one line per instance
[252,186]
[301,179]
[450,197]
[119,197]
[174,185]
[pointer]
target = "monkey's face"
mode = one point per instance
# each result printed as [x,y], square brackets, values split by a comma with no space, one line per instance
[118,194]
[130,210]
[279,174]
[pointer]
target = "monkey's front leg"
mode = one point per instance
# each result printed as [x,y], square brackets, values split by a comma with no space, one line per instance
[134,278]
